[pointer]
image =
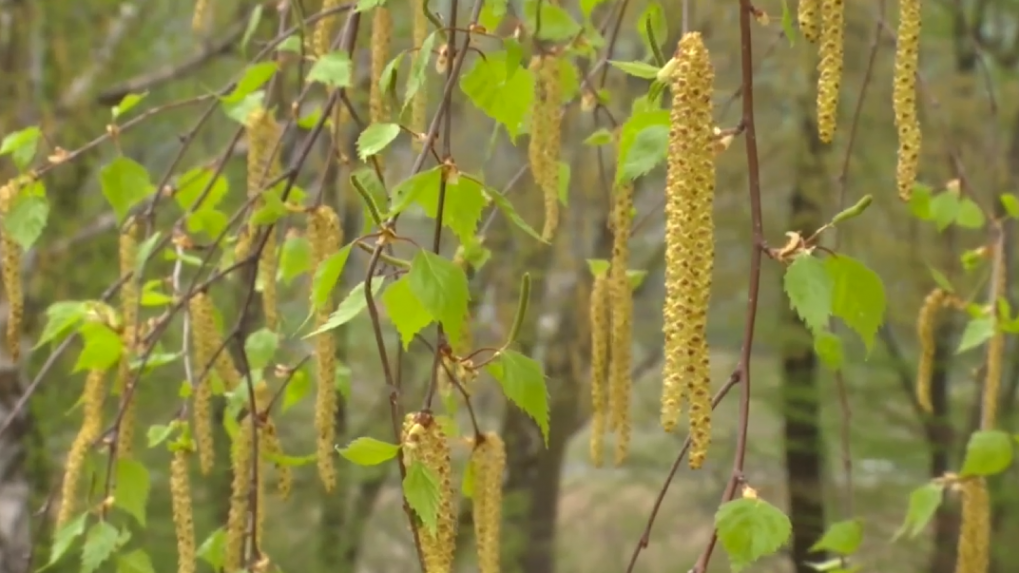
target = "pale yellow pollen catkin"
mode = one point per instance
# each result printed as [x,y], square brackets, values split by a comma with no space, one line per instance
[995,345]
[425,442]
[93,395]
[240,491]
[907,121]
[829,81]
[621,304]
[10,269]
[544,147]
[690,187]
[264,135]
[419,105]
[201,16]
[975,527]
[488,461]
[325,236]
[183,514]
[807,18]
[382,37]
[128,255]
[323,34]
[925,326]
[600,331]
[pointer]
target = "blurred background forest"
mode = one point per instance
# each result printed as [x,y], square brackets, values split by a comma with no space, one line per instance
[822,447]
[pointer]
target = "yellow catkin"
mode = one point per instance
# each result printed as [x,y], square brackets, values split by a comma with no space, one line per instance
[975,528]
[264,134]
[806,16]
[599,319]
[544,146]
[488,461]
[621,304]
[419,106]
[200,17]
[323,34]
[425,442]
[690,188]
[10,268]
[907,122]
[92,398]
[995,345]
[240,492]
[325,236]
[382,37]
[128,255]
[829,80]
[925,325]
[183,515]
[269,443]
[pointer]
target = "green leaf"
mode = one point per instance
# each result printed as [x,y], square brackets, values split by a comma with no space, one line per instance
[295,258]
[366,451]
[27,218]
[61,317]
[332,69]
[639,159]
[103,348]
[970,216]
[158,433]
[924,501]
[988,452]
[858,297]
[419,68]
[127,104]
[411,189]
[636,69]
[920,202]
[132,490]
[599,137]
[588,6]
[843,537]
[944,208]
[636,278]
[977,331]
[654,16]
[421,489]
[442,288]
[365,5]
[213,549]
[556,24]
[21,145]
[504,205]
[125,184]
[192,184]
[1011,204]
[465,202]
[810,291]
[254,77]
[100,543]
[349,308]
[505,99]
[65,537]
[523,383]
[241,110]
[326,276]
[828,348]
[405,310]
[297,389]
[787,23]
[750,529]
[136,561]
[598,267]
[260,348]
[940,279]
[375,138]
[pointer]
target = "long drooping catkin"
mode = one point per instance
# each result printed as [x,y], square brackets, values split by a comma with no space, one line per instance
[419,106]
[240,491]
[269,444]
[264,134]
[128,255]
[382,37]
[690,188]
[599,319]
[546,124]
[92,396]
[975,527]
[11,271]
[489,462]
[925,326]
[621,303]
[323,34]
[200,17]
[424,441]
[183,514]
[807,17]
[829,82]
[996,344]
[325,236]
[907,121]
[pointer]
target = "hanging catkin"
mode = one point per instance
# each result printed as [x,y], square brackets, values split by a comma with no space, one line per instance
[128,255]
[975,527]
[424,442]
[488,461]
[11,271]
[419,106]
[829,81]
[599,319]
[807,17]
[323,34]
[325,236]
[240,490]
[996,344]
[544,146]
[382,37]
[264,135]
[690,188]
[92,397]
[183,514]
[907,122]
[925,326]
[621,304]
